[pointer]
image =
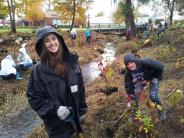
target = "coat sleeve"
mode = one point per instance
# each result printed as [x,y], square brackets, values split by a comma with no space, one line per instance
[155,67]
[82,102]
[129,87]
[36,97]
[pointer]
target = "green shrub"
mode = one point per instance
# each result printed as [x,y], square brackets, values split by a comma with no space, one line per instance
[166,53]
[175,97]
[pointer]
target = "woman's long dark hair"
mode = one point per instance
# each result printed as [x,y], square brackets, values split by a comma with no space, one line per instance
[55,60]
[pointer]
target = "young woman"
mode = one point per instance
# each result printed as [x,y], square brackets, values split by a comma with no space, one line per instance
[56,89]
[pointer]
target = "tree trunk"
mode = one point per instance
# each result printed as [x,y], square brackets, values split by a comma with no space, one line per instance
[171,12]
[74,6]
[49,5]
[126,22]
[171,18]
[130,18]
[11,9]
[13,13]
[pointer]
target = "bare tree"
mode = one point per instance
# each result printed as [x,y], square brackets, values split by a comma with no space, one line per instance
[173,5]
[73,18]
[11,10]
[129,16]
[69,9]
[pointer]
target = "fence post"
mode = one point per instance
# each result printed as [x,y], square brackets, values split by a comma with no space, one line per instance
[119,28]
[109,26]
[99,27]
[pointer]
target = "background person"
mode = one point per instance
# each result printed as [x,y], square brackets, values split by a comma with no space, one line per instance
[24,60]
[56,89]
[128,32]
[88,35]
[73,34]
[8,70]
[138,73]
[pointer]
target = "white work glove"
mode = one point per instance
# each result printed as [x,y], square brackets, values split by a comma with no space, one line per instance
[128,105]
[63,112]
[129,98]
[81,118]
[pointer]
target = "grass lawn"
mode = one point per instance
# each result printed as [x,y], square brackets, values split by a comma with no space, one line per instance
[6,30]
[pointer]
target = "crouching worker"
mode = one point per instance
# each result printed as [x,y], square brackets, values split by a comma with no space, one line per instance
[8,70]
[24,61]
[138,73]
[56,89]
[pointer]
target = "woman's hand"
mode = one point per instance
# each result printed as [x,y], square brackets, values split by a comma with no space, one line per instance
[63,112]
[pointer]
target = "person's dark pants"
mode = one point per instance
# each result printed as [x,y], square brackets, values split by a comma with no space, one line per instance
[153,93]
[73,37]
[19,67]
[23,67]
[8,77]
[88,38]
[127,37]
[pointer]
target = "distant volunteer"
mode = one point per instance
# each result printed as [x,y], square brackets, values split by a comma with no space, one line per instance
[8,70]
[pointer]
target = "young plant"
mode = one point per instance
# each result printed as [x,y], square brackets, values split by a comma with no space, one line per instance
[182,120]
[167,52]
[146,125]
[175,97]
[180,62]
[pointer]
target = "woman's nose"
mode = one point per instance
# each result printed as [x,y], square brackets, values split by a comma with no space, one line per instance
[51,42]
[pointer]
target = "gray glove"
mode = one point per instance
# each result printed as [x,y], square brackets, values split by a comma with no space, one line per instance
[81,118]
[63,112]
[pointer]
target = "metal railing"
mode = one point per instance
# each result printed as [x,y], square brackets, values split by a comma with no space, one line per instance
[107,26]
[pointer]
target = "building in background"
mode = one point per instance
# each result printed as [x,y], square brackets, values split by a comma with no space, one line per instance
[2,22]
[52,18]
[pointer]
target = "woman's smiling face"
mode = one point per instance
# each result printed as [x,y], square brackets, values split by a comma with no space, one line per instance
[51,43]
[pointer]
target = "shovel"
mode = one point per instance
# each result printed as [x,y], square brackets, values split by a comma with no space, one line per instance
[110,129]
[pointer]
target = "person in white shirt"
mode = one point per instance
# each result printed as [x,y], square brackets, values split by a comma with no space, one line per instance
[8,69]
[73,35]
[24,59]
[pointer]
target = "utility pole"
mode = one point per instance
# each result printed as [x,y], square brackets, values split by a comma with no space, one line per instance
[88,21]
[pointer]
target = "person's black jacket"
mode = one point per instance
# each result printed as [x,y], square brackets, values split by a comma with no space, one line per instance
[151,68]
[47,91]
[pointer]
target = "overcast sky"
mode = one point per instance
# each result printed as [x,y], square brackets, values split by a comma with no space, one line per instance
[107,7]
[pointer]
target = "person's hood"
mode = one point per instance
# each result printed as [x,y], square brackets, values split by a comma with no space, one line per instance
[22,50]
[42,33]
[130,58]
[9,57]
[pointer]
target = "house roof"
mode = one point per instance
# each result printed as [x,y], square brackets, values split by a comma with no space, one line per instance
[51,14]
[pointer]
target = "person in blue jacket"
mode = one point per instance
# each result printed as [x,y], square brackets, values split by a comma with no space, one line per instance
[138,73]
[88,35]
[56,89]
